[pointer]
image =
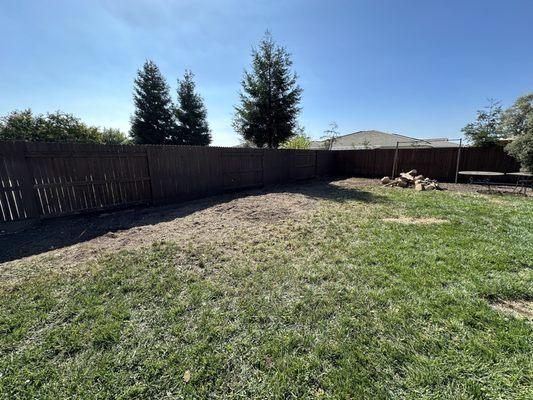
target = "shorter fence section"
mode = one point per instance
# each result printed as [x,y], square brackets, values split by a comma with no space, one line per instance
[436,163]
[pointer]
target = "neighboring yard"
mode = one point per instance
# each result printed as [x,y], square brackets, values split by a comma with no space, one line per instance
[341,290]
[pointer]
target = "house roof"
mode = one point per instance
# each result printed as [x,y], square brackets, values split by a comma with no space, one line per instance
[376,139]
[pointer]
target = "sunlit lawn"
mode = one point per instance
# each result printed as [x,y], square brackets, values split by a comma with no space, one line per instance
[340,304]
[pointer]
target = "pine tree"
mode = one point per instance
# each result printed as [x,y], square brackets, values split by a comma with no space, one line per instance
[153,120]
[267,115]
[191,114]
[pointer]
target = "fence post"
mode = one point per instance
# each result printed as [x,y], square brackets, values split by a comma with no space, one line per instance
[263,167]
[395,160]
[458,159]
[149,162]
[316,163]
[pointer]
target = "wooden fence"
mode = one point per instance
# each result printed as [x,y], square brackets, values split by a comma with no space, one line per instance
[44,180]
[436,163]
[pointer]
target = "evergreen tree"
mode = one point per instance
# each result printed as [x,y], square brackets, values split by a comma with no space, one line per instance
[267,115]
[153,120]
[191,114]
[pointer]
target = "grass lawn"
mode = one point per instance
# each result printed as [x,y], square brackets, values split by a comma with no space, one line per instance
[338,304]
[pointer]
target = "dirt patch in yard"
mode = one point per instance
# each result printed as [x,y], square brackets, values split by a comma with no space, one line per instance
[416,221]
[200,221]
[517,308]
[63,243]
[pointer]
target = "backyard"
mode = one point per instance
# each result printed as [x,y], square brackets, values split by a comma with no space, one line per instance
[341,289]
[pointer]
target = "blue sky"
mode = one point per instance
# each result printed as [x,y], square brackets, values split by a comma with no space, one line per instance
[416,67]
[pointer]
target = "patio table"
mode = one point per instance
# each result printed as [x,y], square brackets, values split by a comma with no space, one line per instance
[524,182]
[482,177]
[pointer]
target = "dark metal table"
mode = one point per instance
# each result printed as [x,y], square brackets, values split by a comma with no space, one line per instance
[484,178]
[524,181]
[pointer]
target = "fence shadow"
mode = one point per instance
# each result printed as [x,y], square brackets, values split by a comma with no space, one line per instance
[329,189]
[65,231]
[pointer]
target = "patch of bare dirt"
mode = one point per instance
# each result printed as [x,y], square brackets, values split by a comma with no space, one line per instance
[60,244]
[517,308]
[416,221]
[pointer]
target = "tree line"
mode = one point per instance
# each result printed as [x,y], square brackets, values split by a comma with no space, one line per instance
[266,115]
[55,127]
[157,120]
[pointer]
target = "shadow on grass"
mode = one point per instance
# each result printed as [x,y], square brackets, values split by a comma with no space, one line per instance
[328,190]
[65,231]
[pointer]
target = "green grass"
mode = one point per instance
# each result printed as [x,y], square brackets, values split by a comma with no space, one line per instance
[339,305]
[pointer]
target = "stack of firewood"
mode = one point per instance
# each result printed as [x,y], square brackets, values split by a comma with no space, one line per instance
[411,179]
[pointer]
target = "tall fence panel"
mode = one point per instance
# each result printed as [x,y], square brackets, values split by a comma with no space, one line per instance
[276,164]
[303,164]
[327,163]
[181,173]
[487,159]
[73,178]
[368,163]
[241,168]
[17,201]
[436,163]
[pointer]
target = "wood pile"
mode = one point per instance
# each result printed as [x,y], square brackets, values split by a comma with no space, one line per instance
[411,179]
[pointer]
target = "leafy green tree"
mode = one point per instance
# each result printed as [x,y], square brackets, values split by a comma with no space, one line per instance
[517,120]
[517,125]
[270,97]
[55,127]
[191,115]
[246,144]
[113,136]
[153,120]
[52,127]
[299,141]
[486,130]
[19,125]
[522,149]
[63,127]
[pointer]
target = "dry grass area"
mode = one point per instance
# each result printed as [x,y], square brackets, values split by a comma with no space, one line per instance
[61,245]
[518,308]
[416,221]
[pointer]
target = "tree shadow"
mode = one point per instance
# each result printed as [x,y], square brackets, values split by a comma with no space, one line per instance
[60,232]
